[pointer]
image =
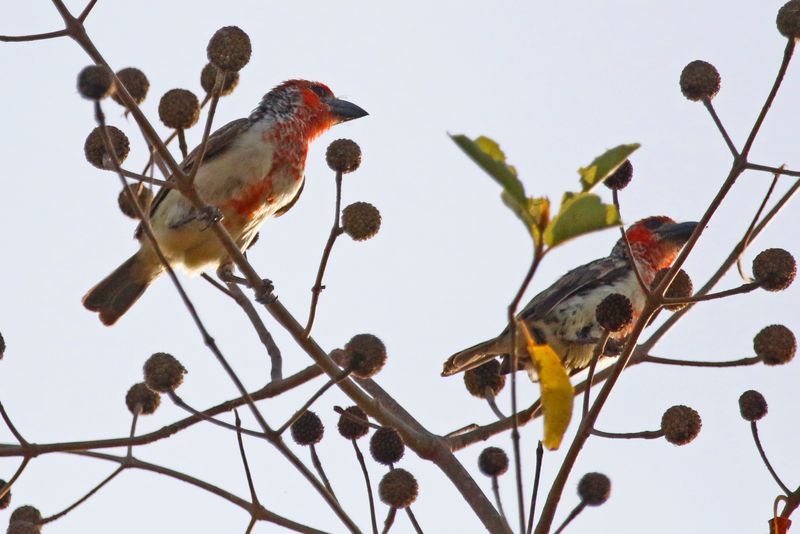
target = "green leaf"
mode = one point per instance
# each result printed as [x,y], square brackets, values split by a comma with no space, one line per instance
[580,213]
[603,166]
[487,154]
[534,213]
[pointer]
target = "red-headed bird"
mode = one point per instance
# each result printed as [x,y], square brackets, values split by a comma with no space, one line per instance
[563,315]
[253,169]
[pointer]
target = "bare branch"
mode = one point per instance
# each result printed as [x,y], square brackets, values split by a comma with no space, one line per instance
[34,37]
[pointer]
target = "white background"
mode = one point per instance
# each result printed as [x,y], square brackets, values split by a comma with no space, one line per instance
[555,83]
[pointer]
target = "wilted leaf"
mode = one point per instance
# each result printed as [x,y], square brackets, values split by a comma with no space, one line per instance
[580,213]
[557,393]
[603,166]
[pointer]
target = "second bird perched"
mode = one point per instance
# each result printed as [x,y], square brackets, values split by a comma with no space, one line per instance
[563,315]
[253,169]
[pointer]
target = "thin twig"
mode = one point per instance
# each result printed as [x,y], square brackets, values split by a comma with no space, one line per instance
[336,231]
[644,434]
[182,143]
[748,233]
[245,464]
[644,287]
[536,478]
[86,10]
[179,402]
[364,471]
[497,499]
[7,487]
[250,525]
[320,471]
[744,288]
[83,499]
[134,420]
[757,440]
[355,419]
[599,349]
[387,524]
[201,149]
[489,396]
[572,515]
[34,37]
[22,441]
[210,279]
[413,520]
[147,179]
[276,360]
[710,107]
[299,413]
[772,170]
[691,363]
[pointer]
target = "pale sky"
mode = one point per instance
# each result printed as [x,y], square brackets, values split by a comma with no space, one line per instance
[555,84]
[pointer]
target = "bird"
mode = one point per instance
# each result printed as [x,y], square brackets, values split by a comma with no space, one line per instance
[253,169]
[563,315]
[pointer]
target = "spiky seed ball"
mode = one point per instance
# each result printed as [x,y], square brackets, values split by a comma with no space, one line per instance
[699,80]
[361,220]
[179,109]
[680,424]
[6,499]
[350,426]
[614,312]
[620,178]
[788,19]
[680,288]
[143,195]
[774,269]
[493,461]
[229,49]
[366,355]
[483,377]
[95,82]
[163,372]
[343,155]
[95,150]
[398,488]
[135,82]
[775,345]
[386,446]
[23,527]
[208,77]
[142,399]
[26,513]
[752,405]
[308,429]
[594,488]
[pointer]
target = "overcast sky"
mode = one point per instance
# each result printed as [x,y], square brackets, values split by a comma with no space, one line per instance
[555,83]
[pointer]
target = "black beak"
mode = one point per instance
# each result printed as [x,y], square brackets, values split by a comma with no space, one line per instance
[676,233]
[344,110]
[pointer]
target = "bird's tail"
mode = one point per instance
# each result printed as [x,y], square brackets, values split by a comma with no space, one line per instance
[117,292]
[473,356]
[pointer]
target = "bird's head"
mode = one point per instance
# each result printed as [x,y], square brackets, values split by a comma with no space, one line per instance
[655,242]
[309,107]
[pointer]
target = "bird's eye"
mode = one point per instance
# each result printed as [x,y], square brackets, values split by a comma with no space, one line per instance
[321,91]
[652,224]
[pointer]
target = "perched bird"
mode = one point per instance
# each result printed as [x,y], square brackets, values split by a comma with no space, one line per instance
[253,169]
[563,315]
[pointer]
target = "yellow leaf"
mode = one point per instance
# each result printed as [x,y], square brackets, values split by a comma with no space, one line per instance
[557,393]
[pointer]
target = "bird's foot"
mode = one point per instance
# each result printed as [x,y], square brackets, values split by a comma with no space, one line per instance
[210,215]
[225,273]
[265,293]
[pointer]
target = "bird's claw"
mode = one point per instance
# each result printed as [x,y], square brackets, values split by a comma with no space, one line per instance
[211,215]
[265,294]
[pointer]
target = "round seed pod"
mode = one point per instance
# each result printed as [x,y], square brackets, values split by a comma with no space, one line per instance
[398,488]
[179,109]
[361,221]
[208,77]
[366,354]
[386,446]
[699,80]
[308,429]
[23,527]
[493,461]
[485,377]
[135,82]
[680,288]
[614,312]
[142,399]
[6,499]
[343,155]
[143,195]
[774,269]
[163,372]
[752,405]
[95,150]
[788,20]
[229,49]
[27,514]
[95,82]
[680,424]
[594,488]
[775,345]
[348,425]
[620,178]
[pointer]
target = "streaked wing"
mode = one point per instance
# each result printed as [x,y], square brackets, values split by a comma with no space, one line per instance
[598,272]
[217,142]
